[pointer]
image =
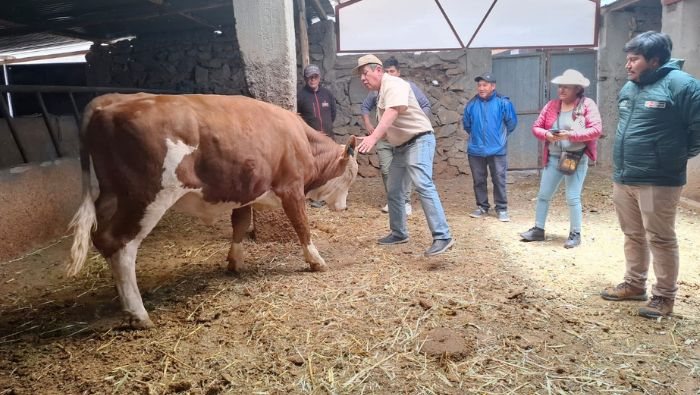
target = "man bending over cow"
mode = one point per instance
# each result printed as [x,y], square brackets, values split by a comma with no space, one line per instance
[409,131]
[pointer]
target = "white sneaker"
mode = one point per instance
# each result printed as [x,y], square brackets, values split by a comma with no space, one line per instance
[385,209]
[409,209]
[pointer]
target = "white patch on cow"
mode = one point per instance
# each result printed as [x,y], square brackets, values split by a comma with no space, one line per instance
[193,204]
[314,259]
[268,200]
[172,188]
[174,156]
[235,257]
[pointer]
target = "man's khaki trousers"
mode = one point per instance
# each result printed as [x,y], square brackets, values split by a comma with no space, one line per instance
[647,216]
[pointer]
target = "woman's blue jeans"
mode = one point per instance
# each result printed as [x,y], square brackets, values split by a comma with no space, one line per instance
[549,183]
[414,162]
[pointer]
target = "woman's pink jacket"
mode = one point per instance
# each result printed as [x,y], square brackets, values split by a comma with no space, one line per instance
[548,118]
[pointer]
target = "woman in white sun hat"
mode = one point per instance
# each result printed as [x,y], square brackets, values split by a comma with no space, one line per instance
[569,127]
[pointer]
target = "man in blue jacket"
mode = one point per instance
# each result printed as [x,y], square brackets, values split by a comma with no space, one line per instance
[658,131]
[489,119]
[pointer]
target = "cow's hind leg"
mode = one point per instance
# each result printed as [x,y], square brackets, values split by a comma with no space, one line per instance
[119,237]
[123,264]
[240,221]
[296,212]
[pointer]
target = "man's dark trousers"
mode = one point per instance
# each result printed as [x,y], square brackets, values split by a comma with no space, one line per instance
[497,165]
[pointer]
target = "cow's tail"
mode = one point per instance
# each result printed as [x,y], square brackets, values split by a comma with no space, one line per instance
[85,218]
[82,223]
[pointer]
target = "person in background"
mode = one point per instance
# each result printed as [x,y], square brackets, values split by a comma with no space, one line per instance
[409,131]
[657,132]
[316,105]
[385,152]
[555,126]
[489,119]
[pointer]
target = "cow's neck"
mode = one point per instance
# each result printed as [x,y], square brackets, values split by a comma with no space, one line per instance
[326,154]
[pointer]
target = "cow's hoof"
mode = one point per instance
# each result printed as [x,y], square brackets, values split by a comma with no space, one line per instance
[140,323]
[235,268]
[318,267]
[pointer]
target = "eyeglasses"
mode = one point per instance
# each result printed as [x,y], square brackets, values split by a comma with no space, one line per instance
[314,77]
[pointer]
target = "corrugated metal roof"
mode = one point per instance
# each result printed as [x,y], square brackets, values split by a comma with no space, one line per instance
[97,20]
[33,42]
[36,24]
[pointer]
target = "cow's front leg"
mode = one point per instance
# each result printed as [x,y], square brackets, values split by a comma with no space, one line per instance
[296,212]
[123,264]
[240,221]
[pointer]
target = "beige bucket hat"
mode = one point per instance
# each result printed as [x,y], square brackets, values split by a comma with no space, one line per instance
[571,77]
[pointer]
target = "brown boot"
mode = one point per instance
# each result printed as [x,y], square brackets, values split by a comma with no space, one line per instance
[624,291]
[658,306]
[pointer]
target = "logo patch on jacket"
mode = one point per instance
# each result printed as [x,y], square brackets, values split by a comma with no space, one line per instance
[325,104]
[654,104]
[624,104]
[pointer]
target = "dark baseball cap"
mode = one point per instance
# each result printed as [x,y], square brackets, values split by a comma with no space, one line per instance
[310,70]
[488,77]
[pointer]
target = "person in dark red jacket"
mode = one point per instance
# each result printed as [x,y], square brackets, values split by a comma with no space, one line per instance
[316,104]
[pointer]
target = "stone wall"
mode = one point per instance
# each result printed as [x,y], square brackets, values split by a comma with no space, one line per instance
[194,61]
[441,75]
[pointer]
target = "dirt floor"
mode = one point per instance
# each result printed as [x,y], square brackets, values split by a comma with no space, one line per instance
[493,315]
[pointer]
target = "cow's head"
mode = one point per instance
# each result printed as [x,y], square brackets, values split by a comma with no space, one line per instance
[335,191]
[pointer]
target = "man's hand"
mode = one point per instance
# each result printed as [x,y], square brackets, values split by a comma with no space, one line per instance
[366,143]
[368,124]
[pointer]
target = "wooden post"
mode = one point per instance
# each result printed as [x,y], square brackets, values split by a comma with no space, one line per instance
[303,34]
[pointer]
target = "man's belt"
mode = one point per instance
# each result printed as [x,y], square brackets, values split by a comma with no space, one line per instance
[412,139]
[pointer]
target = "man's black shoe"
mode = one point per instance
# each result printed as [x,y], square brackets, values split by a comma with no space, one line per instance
[391,239]
[439,246]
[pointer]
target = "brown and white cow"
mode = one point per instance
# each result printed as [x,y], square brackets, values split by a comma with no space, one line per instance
[204,155]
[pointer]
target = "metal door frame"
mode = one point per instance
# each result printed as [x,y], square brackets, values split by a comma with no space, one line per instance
[545,76]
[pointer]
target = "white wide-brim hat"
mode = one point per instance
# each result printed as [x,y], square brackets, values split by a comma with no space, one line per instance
[571,77]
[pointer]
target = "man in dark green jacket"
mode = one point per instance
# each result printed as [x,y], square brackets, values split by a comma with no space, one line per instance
[658,131]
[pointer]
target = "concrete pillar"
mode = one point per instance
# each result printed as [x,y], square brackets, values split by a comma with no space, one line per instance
[265,31]
[614,33]
[679,20]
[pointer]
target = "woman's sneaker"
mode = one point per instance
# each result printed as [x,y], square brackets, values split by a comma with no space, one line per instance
[573,240]
[534,234]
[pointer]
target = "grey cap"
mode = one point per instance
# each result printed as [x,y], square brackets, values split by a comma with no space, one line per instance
[310,70]
[488,77]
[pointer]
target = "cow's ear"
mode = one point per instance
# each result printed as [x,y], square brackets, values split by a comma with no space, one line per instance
[350,146]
